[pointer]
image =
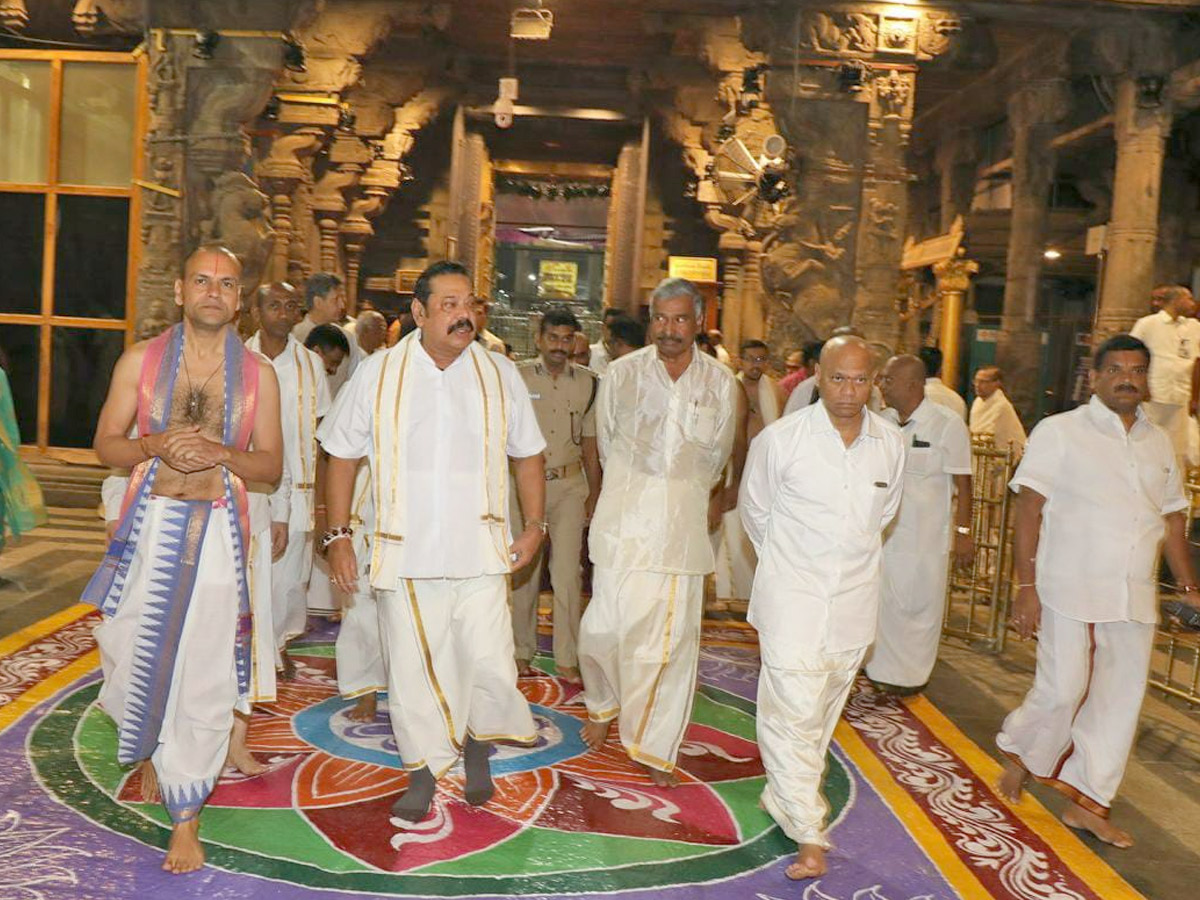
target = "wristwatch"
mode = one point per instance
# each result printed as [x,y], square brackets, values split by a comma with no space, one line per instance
[963,529]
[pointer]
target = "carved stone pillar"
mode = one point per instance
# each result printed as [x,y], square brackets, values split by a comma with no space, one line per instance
[1141,134]
[953,281]
[754,319]
[284,168]
[378,183]
[1033,111]
[956,159]
[731,247]
[348,157]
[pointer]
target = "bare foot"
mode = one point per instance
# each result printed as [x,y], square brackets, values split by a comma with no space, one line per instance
[525,669]
[288,673]
[184,853]
[150,791]
[239,755]
[660,778]
[364,710]
[570,674]
[810,863]
[1078,817]
[1012,782]
[596,733]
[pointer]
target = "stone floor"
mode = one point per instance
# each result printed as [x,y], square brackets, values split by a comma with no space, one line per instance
[1159,802]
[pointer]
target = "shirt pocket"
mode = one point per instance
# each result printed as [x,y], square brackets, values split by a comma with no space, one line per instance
[701,425]
[921,461]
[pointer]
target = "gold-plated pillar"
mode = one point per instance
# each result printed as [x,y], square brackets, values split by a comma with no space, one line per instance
[953,281]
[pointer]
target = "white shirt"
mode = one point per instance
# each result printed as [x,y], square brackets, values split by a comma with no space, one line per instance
[294,364]
[349,362]
[937,391]
[664,444]
[1106,494]
[1174,345]
[937,447]
[599,360]
[815,510]
[445,473]
[996,418]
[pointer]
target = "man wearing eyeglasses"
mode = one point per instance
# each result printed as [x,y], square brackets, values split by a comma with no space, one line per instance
[564,396]
[439,417]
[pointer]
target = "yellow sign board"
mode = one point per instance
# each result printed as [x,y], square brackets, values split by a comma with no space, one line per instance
[702,269]
[557,278]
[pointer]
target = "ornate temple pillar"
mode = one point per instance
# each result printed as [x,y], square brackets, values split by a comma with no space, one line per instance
[884,208]
[378,183]
[953,281]
[348,157]
[286,166]
[1034,112]
[731,247]
[1141,131]
[956,160]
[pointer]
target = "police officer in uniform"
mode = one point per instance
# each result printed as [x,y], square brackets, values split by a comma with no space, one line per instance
[563,395]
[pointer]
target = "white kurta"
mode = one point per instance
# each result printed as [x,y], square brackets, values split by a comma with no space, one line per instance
[359,648]
[1106,492]
[916,546]
[996,418]
[444,618]
[304,400]
[664,445]
[815,510]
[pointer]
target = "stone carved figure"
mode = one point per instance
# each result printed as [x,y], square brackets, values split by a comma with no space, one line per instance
[93,17]
[241,221]
[936,32]
[842,32]
[892,92]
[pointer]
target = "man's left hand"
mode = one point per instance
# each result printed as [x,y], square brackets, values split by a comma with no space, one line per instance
[279,539]
[964,550]
[524,548]
[202,452]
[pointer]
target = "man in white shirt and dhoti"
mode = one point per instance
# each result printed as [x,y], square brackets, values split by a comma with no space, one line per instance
[764,401]
[304,393]
[1173,336]
[438,417]
[993,415]
[1098,494]
[666,421]
[820,487]
[917,545]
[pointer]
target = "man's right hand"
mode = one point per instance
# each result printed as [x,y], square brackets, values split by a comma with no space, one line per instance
[343,566]
[1027,612]
[173,447]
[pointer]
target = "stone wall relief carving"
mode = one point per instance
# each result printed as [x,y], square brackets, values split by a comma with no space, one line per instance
[893,91]
[840,32]
[241,221]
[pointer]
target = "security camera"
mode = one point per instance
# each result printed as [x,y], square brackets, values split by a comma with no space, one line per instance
[502,112]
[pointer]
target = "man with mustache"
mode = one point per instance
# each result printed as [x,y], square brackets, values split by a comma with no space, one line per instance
[1098,490]
[667,417]
[564,397]
[438,418]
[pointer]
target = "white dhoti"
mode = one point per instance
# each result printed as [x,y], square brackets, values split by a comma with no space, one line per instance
[1076,725]
[359,647]
[451,671]
[798,709]
[289,587]
[263,648]
[194,736]
[911,608]
[321,597]
[736,559]
[639,645]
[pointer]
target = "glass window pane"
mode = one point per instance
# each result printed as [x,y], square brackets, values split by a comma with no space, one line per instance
[24,121]
[19,349]
[83,361]
[97,123]
[90,256]
[24,218]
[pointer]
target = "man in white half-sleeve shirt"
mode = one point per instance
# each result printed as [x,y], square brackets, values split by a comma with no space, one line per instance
[304,400]
[820,487]
[1173,336]
[1098,491]
[992,413]
[917,545]
[667,418]
[438,417]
